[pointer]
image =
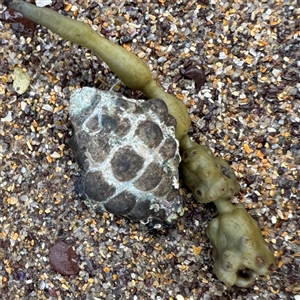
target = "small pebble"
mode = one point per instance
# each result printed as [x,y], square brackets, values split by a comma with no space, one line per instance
[63,259]
[21,81]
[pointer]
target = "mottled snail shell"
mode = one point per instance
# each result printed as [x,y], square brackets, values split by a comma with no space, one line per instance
[128,155]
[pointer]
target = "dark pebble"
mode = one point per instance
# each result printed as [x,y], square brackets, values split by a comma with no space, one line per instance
[63,259]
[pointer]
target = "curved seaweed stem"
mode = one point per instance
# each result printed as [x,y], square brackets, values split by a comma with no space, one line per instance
[127,66]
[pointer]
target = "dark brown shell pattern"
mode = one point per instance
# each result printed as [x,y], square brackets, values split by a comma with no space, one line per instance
[128,155]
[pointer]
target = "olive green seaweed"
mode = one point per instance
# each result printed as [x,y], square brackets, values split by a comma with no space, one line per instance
[238,246]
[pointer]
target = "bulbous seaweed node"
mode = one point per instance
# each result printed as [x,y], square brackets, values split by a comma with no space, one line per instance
[239,249]
[210,178]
